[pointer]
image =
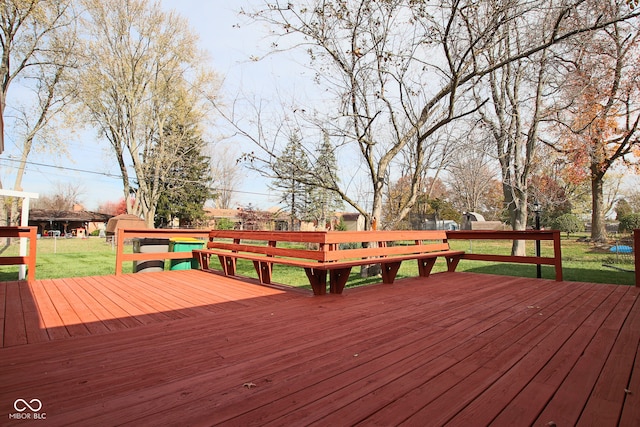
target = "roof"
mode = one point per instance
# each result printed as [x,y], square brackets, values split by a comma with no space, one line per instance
[37,215]
[124,221]
[221,213]
[475,216]
[349,216]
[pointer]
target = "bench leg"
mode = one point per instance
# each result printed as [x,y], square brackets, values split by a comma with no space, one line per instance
[425,265]
[338,279]
[389,271]
[318,280]
[264,271]
[203,260]
[452,262]
[228,265]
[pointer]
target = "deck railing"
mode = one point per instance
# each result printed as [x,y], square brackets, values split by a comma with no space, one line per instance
[127,234]
[536,235]
[28,259]
[124,235]
[636,246]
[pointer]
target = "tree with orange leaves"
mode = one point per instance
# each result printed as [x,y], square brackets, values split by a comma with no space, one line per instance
[599,127]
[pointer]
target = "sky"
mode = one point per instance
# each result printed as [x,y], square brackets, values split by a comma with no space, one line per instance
[88,162]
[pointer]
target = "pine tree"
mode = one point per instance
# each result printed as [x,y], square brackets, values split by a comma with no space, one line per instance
[187,187]
[290,171]
[324,202]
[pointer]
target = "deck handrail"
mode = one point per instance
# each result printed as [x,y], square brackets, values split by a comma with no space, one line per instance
[553,235]
[30,259]
[334,237]
[125,234]
[329,237]
[636,245]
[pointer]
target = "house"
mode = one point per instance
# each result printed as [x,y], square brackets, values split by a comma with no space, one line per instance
[78,223]
[275,219]
[352,221]
[217,217]
[240,219]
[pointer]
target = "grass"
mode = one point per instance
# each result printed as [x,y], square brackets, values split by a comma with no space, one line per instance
[62,257]
[582,262]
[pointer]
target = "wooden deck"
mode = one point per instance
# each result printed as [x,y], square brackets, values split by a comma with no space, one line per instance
[194,348]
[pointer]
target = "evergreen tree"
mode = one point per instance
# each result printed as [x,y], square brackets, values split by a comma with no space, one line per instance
[323,203]
[623,208]
[188,185]
[290,171]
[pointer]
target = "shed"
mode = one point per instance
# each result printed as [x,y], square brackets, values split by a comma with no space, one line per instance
[123,221]
[475,221]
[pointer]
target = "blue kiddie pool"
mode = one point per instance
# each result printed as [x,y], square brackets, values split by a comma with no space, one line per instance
[621,249]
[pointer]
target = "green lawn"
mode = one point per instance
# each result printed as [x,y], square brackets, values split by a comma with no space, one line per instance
[93,256]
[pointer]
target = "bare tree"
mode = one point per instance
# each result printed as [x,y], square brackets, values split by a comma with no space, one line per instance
[38,48]
[514,115]
[141,83]
[472,176]
[226,175]
[398,72]
[632,196]
[65,197]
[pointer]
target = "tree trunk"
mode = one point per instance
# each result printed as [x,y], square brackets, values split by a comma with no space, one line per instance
[516,202]
[598,228]
[149,217]
[4,213]
[376,211]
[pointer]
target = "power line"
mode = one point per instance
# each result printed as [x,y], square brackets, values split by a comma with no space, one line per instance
[66,168]
[115,176]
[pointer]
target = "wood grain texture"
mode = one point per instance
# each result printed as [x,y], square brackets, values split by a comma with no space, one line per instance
[194,348]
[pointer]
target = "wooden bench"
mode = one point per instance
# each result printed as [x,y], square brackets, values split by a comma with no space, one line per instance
[331,253]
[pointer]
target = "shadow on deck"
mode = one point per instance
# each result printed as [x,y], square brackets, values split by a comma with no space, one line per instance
[192,348]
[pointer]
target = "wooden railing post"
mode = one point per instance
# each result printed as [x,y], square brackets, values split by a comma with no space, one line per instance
[557,253]
[636,246]
[120,234]
[31,265]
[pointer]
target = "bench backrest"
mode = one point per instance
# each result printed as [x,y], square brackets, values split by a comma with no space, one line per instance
[326,246]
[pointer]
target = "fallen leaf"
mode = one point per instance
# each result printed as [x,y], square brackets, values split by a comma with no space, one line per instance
[249,385]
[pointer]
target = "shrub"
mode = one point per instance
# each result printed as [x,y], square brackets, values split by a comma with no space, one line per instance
[225,224]
[568,223]
[629,222]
